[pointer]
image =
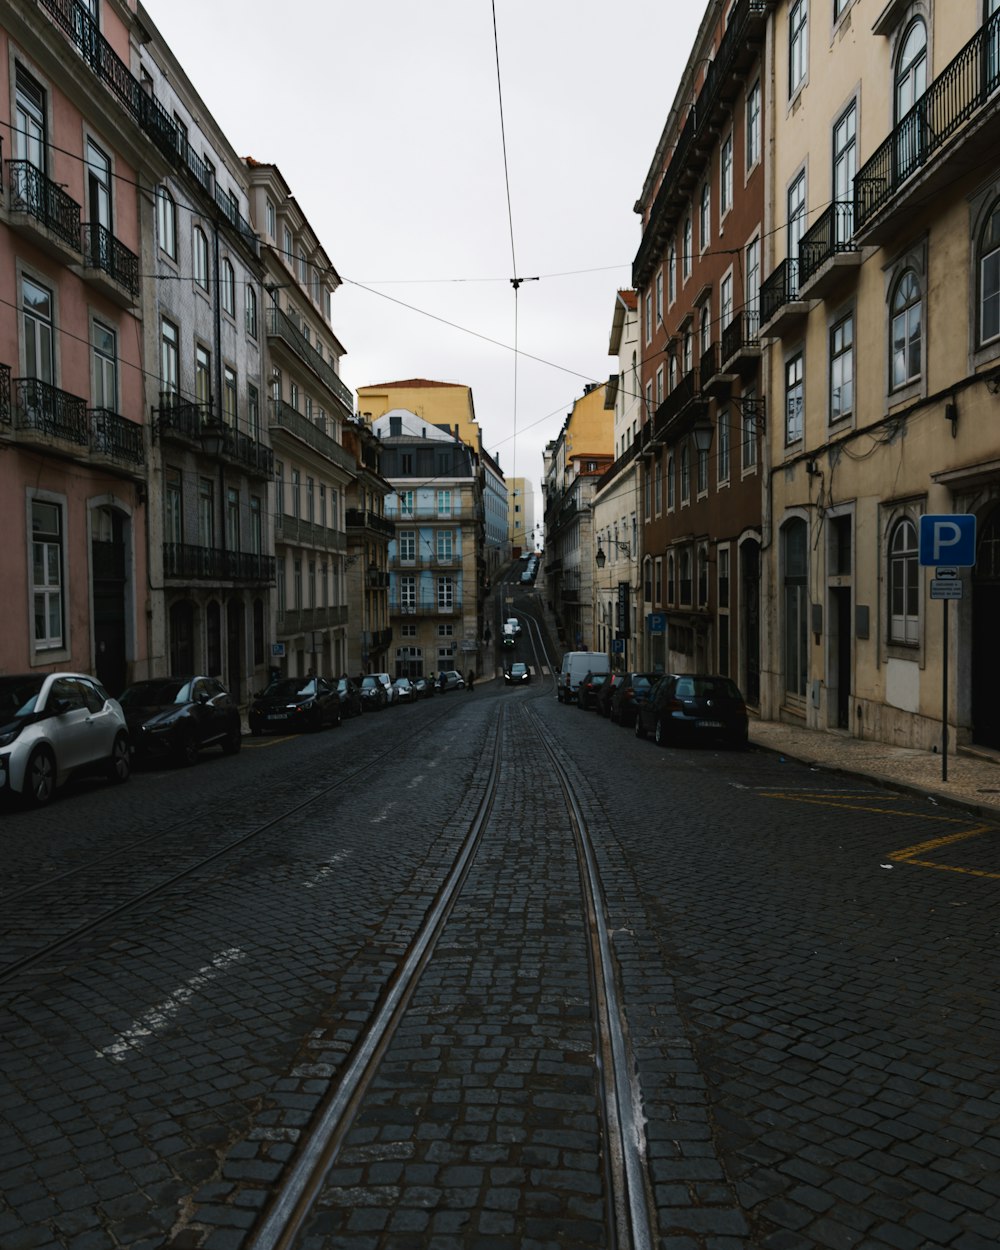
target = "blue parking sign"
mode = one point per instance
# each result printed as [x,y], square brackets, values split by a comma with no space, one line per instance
[948,539]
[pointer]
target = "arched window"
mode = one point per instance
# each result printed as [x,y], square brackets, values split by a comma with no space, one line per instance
[685,474]
[989,277]
[910,83]
[906,331]
[228,289]
[795,607]
[200,258]
[904,584]
[251,312]
[166,222]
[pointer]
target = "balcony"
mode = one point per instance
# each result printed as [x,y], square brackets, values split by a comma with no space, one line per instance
[950,131]
[425,609]
[678,411]
[291,529]
[42,211]
[5,408]
[182,421]
[299,620]
[179,420]
[375,579]
[211,564]
[781,309]
[379,639]
[740,347]
[109,265]
[116,440]
[281,326]
[359,518]
[243,450]
[828,255]
[49,417]
[713,380]
[427,560]
[284,416]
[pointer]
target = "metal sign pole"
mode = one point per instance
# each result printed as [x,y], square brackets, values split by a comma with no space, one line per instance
[944,695]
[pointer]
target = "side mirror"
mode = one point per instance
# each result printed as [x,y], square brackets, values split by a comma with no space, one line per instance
[60,706]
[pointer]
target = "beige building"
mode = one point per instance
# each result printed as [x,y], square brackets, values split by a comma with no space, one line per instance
[521,514]
[882,306]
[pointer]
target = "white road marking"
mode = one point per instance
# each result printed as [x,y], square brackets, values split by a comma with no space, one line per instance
[325,869]
[383,814]
[159,1017]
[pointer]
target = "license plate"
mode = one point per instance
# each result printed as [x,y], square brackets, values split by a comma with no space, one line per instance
[710,724]
[277,716]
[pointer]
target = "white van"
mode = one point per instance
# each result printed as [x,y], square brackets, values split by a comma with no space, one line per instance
[575,666]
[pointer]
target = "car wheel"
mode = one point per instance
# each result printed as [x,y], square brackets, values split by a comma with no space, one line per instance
[638,729]
[40,777]
[119,767]
[232,742]
[186,753]
[660,733]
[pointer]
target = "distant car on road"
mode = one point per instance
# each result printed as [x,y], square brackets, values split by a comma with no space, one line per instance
[450,679]
[54,725]
[176,717]
[602,704]
[627,697]
[513,624]
[405,693]
[424,687]
[391,697]
[518,674]
[295,703]
[693,707]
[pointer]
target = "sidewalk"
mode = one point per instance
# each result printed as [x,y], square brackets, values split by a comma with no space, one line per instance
[973,778]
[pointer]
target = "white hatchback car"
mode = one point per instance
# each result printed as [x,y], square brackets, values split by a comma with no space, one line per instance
[55,725]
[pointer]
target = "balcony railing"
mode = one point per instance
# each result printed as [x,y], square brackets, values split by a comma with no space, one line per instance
[5,411]
[742,333]
[288,418]
[830,235]
[959,92]
[176,416]
[280,325]
[683,396]
[424,609]
[101,250]
[31,192]
[116,437]
[48,410]
[780,288]
[375,579]
[248,452]
[293,529]
[709,365]
[359,518]
[379,639]
[213,564]
[297,620]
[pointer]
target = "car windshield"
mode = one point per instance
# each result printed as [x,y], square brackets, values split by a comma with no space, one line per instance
[401,681]
[518,668]
[370,683]
[18,695]
[700,687]
[290,687]
[156,693]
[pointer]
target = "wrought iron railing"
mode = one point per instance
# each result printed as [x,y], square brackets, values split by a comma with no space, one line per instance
[280,325]
[212,563]
[709,365]
[116,436]
[742,332]
[680,398]
[179,416]
[779,288]
[248,451]
[5,412]
[101,250]
[962,88]
[830,234]
[289,418]
[293,529]
[295,620]
[31,192]
[424,609]
[48,410]
[360,518]
[622,462]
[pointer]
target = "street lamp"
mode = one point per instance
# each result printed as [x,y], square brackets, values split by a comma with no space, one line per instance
[601,558]
[702,432]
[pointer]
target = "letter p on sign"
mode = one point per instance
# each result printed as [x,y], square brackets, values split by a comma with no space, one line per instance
[948,539]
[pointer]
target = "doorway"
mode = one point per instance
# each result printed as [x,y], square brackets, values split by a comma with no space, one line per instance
[109,566]
[182,638]
[985,653]
[840,657]
[750,621]
[234,648]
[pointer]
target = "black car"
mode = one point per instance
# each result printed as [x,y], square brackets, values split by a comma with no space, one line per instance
[373,695]
[602,703]
[518,674]
[693,707]
[586,695]
[175,717]
[424,687]
[405,693]
[295,703]
[633,689]
[349,696]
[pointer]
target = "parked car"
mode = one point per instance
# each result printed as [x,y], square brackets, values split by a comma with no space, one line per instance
[518,674]
[626,697]
[295,703]
[424,687]
[405,692]
[693,707]
[391,697]
[450,679]
[55,725]
[575,666]
[586,693]
[173,718]
[602,702]
[349,696]
[373,695]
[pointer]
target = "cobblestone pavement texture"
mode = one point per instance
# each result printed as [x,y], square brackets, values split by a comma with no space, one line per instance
[805,958]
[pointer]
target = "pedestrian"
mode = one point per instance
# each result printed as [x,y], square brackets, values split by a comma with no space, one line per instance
[470,681]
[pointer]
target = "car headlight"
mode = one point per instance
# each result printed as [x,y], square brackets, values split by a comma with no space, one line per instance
[7,738]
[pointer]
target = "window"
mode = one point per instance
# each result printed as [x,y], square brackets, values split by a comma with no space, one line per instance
[798,45]
[166,222]
[253,412]
[408,592]
[256,525]
[279,487]
[200,258]
[670,483]
[671,578]
[407,546]
[845,166]
[989,277]
[796,220]
[203,376]
[105,368]
[795,623]
[684,568]
[28,138]
[206,512]
[753,125]
[705,328]
[168,360]
[749,440]
[726,300]
[659,385]
[232,519]
[701,466]
[445,594]
[705,216]
[39,343]
[726,176]
[286,236]
[297,600]
[688,248]
[658,581]
[688,350]
[173,510]
[406,503]
[723,464]
[703,576]
[296,493]
[906,335]
[658,488]
[444,503]
[753,288]
[794,393]
[904,584]
[910,83]
[659,296]
[840,7]
[671,274]
[303,268]
[649,316]
[445,546]
[46,574]
[685,475]
[269,219]
[228,289]
[842,368]
[229,396]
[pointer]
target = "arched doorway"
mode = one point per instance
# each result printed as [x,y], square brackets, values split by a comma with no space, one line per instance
[110,575]
[985,653]
[182,638]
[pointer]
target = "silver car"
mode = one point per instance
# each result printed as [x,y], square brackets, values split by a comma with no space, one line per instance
[56,725]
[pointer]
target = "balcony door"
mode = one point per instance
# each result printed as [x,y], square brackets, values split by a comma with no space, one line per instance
[845,166]
[108,551]
[29,121]
[98,186]
[910,83]
[36,312]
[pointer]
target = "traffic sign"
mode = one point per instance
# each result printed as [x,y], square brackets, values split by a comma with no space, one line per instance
[617,646]
[656,622]
[946,572]
[946,588]
[950,537]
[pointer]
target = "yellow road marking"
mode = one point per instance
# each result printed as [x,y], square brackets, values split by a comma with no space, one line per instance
[258,743]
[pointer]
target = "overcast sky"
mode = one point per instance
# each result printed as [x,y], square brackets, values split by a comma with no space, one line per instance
[384,116]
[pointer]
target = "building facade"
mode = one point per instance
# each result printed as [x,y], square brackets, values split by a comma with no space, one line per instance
[369,531]
[521,516]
